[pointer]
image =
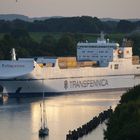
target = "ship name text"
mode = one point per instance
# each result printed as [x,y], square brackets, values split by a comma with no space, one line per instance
[86,83]
[12,65]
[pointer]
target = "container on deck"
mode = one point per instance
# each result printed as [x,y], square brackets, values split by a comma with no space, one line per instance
[135,60]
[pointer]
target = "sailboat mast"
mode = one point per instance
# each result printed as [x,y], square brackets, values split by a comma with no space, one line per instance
[41,116]
[44,115]
[44,130]
[44,110]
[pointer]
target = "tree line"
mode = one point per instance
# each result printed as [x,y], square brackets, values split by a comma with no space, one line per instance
[83,24]
[49,45]
[26,46]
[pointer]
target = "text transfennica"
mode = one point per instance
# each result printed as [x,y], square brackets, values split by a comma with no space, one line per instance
[86,83]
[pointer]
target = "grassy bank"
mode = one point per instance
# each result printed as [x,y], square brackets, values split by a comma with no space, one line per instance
[37,36]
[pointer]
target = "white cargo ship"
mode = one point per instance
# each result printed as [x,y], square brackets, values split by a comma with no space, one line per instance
[102,65]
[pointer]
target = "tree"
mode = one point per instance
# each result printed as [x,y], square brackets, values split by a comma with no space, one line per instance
[124,124]
[66,46]
[125,26]
[20,33]
[135,37]
[7,43]
[48,45]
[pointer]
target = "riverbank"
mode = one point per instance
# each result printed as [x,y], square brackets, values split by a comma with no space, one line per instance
[124,123]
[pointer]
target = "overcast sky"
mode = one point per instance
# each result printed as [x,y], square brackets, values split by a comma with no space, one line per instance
[98,8]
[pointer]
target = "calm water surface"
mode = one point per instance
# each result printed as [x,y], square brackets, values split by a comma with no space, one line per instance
[20,120]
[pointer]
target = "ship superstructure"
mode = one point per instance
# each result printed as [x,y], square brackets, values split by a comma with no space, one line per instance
[102,65]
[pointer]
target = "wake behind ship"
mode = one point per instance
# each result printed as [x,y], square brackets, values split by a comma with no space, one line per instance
[101,65]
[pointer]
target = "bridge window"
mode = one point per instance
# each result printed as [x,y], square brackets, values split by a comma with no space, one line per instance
[116,66]
[138,67]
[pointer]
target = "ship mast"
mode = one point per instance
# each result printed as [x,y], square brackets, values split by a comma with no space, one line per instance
[13,54]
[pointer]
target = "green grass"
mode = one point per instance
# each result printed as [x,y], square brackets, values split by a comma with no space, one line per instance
[116,37]
[1,35]
[37,36]
[112,37]
[90,37]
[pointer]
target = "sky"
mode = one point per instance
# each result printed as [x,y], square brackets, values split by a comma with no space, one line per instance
[122,9]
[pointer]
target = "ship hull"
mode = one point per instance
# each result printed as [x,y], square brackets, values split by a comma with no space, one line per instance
[57,86]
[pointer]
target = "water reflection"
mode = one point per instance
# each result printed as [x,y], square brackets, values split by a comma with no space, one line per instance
[21,120]
[42,138]
[3,99]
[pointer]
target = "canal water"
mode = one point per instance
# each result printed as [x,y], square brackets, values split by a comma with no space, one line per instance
[20,119]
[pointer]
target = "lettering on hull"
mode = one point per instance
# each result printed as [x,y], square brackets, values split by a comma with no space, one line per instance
[85,83]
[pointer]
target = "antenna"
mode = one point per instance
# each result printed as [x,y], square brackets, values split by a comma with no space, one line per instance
[102,36]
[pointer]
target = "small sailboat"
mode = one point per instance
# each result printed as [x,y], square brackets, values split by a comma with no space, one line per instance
[44,131]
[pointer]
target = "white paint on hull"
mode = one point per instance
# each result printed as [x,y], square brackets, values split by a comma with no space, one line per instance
[71,84]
